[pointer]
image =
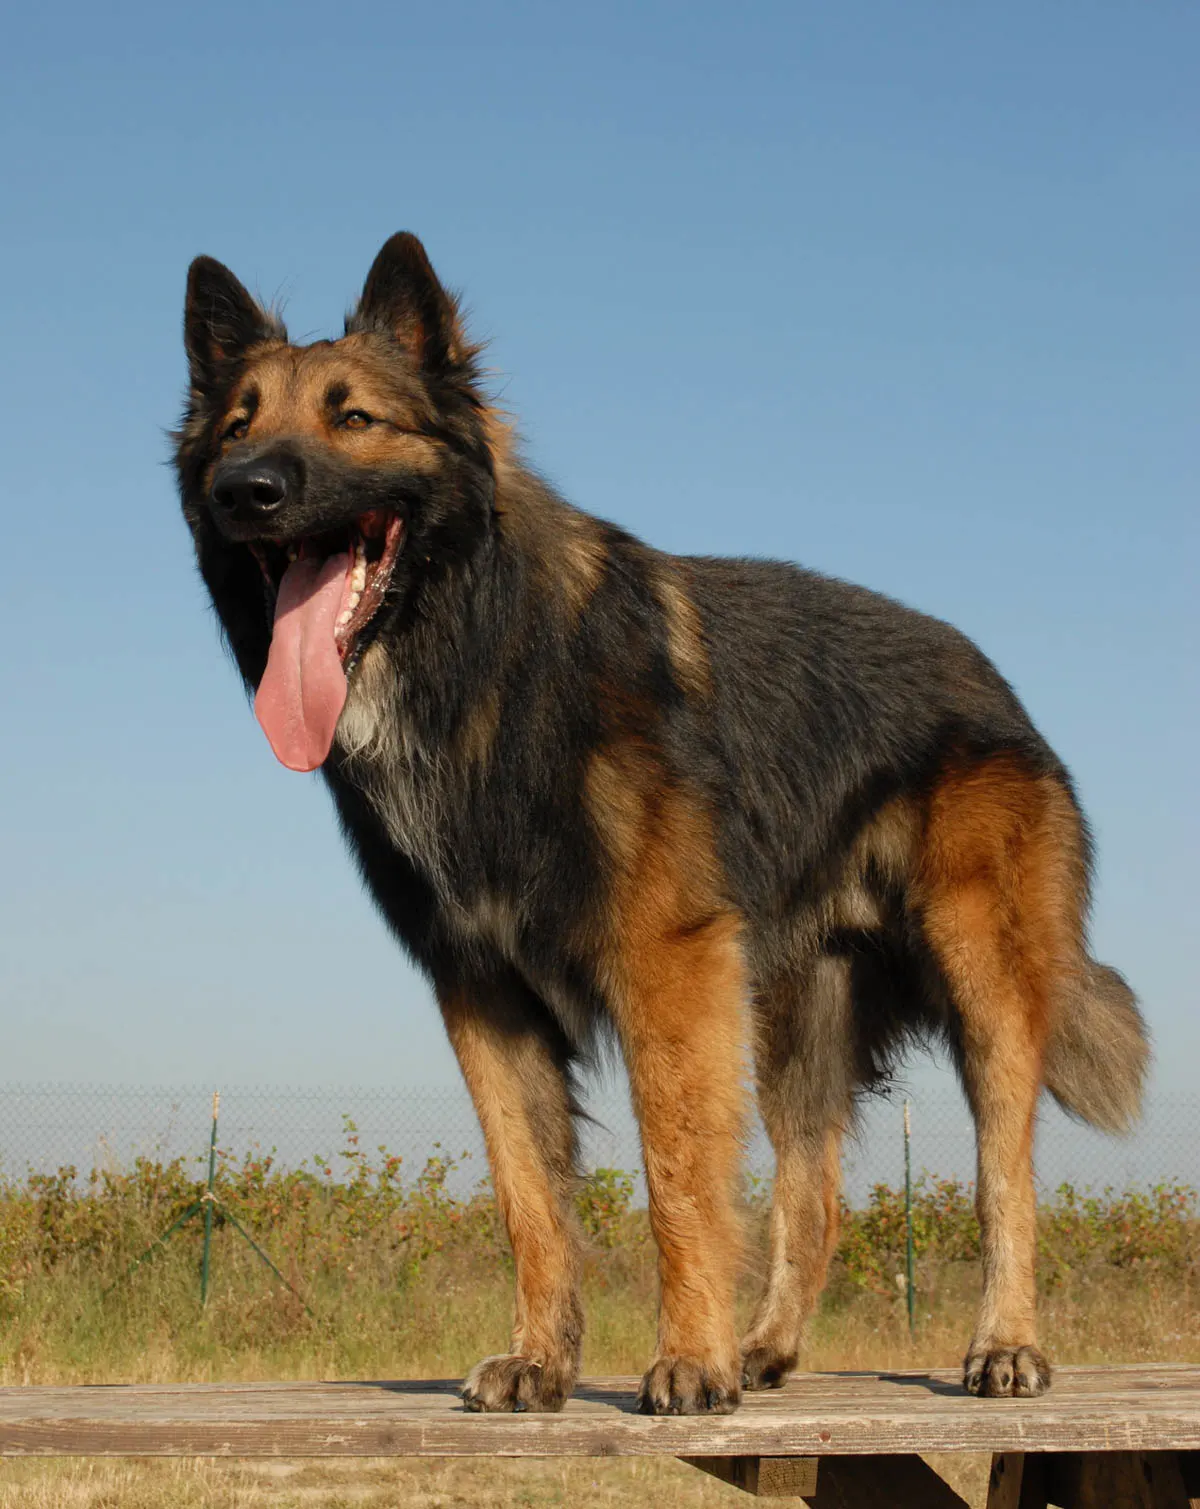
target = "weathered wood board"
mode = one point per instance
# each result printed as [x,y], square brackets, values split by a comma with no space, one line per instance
[1151,1408]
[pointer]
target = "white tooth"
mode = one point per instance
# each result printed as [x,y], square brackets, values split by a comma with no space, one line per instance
[353,600]
[343,618]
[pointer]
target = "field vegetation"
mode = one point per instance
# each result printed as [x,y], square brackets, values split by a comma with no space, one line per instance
[396,1275]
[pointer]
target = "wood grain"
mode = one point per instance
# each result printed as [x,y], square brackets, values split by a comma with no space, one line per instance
[764,1477]
[1151,1408]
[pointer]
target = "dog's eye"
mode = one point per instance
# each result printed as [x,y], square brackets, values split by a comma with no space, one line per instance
[356,419]
[237,430]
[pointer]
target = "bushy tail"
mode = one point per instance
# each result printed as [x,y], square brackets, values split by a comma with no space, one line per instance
[1098,1052]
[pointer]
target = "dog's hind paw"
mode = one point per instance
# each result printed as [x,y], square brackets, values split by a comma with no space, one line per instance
[766,1367]
[512,1385]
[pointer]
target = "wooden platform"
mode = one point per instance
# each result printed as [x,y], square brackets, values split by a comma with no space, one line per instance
[796,1440]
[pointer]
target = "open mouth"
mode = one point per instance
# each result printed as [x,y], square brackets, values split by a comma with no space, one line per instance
[371,546]
[323,592]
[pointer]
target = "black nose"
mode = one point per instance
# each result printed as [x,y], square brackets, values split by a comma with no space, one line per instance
[249,490]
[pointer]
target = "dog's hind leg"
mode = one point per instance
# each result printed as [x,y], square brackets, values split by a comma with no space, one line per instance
[999,900]
[517,1065]
[803,1043]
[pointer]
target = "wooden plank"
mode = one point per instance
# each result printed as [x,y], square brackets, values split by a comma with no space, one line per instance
[765,1477]
[1102,1409]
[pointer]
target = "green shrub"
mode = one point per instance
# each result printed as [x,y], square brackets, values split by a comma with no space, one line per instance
[357,1218]
[604,1200]
[873,1242]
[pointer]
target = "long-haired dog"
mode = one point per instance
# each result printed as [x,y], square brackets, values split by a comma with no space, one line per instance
[703,806]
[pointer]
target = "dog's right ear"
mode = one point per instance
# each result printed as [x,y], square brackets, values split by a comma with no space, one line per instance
[221,322]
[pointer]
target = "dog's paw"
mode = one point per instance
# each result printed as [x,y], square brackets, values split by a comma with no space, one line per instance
[512,1385]
[1006,1372]
[687,1386]
[766,1367]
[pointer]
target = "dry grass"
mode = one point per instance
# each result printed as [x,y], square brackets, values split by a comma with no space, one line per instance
[357,1485]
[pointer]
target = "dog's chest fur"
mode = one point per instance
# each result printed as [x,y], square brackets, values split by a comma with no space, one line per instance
[409,787]
[423,800]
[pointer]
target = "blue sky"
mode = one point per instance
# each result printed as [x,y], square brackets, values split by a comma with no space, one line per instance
[906,293]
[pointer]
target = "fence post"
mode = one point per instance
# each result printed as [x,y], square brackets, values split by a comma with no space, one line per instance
[209,1198]
[909,1256]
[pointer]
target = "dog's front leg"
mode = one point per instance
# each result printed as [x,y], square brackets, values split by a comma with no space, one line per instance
[681,1022]
[517,1065]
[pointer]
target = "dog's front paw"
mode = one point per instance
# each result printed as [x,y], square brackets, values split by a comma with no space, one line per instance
[687,1386]
[1006,1372]
[512,1385]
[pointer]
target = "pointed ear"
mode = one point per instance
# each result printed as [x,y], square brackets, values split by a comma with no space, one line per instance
[221,322]
[403,297]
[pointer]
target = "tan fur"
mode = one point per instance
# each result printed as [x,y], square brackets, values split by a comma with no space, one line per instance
[685,638]
[582,560]
[501,439]
[678,983]
[998,890]
[524,1111]
[565,546]
[283,391]
[805,1222]
[889,840]
[886,849]
[479,730]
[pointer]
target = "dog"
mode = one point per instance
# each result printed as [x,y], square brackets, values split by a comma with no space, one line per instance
[711,810]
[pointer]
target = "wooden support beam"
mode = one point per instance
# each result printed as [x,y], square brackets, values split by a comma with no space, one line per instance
[1117,1480]
[1017,1481]
[1189,1466]
[882,1481]
[1091,1480]
[766,1477]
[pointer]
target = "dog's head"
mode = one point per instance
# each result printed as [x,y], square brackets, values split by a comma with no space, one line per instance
[324,484]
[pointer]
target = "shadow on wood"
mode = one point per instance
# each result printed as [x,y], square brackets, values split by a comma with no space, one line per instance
[874,1482]
[1095,1480]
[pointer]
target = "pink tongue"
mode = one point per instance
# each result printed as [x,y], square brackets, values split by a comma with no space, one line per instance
[303,689]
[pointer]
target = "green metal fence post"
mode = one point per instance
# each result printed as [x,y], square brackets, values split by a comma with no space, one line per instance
[909,1256]
[209,1200]
[209,1204]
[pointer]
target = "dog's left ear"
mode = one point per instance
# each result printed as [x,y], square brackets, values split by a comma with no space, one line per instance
[402,296]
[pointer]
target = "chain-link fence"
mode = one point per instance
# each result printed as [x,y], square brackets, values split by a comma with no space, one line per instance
[43,1127]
